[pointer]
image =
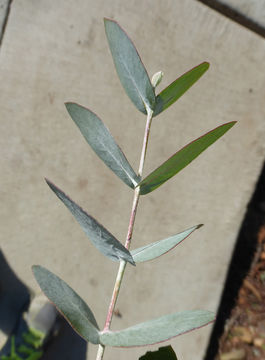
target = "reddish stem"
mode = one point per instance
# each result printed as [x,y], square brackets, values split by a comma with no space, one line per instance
[122,266]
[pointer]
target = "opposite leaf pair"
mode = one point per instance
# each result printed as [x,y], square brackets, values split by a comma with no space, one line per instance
[134,76]
[101,141]
[79,315]
[108,245]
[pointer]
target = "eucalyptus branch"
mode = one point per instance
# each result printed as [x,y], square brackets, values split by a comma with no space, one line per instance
[141,91]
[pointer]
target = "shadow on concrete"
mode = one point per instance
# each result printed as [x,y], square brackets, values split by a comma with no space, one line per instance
[14,300]
[66,345]
[14,297]
[240,264]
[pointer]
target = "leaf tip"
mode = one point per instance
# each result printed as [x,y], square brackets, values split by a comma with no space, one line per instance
[34,267]
[108,21]
[49,183]
[53,187]
[207,64]
[67,103]
[70,104]
[229,124]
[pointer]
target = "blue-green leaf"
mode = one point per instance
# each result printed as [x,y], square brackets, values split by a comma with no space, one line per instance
[103,240]
[99,138]
[130,69]
[68,303]
[181,159]
[175,90]
[158,248]
[157,330]
[163,353]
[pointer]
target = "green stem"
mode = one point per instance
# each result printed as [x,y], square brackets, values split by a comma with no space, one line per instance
[122,266]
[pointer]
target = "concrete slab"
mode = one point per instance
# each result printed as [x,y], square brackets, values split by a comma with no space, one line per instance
[56,52]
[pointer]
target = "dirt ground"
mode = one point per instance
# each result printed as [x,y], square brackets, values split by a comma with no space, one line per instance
[244,333]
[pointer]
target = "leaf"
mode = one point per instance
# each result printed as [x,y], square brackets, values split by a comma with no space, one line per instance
[163,353]
[99,138]
[181,159]
[158,248]
[176,89]
[68,303]
[103,240]
[130,69]
[157,330]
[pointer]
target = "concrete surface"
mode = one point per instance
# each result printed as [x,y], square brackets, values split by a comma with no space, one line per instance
[56,52]
[252,9]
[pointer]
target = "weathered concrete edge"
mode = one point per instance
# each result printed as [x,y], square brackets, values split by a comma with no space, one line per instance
[236,15]
[5,6]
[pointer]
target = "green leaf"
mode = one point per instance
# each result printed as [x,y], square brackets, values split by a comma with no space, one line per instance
[130,69]
[181,159]
[103,240]
[158,248]
[157,330]
[176,89]
[68,303]
[163,353]
[101,141]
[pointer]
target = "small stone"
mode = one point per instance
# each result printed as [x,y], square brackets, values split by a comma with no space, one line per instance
[258,342]
[262,256]
[238,354]
[261,328]
[243,334]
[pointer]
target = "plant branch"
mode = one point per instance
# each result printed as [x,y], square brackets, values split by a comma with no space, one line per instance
[145,142]
[129,234]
